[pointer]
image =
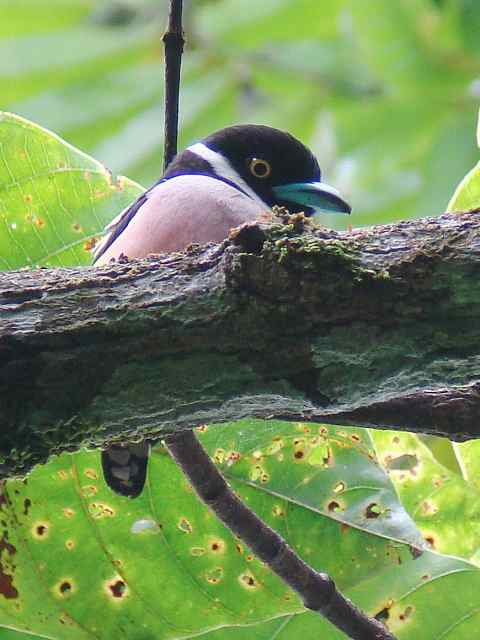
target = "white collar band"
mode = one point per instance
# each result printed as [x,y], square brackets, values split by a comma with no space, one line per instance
[224,169]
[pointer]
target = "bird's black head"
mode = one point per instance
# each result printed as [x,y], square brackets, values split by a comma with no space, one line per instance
[265,158]
[263,162]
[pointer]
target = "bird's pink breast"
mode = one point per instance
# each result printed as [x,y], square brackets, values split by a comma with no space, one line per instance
[181,211]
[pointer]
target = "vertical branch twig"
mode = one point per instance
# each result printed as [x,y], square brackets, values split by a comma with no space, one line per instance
[317,590]
[173,41]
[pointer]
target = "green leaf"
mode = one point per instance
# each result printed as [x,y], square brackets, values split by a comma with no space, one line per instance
[43,16]
[468,455]
[268,21]
[331,471]
[467,194]
[444,452]
[86,563]
[394,30]
[465,14]
[81,562]
[443,504]
[54,199]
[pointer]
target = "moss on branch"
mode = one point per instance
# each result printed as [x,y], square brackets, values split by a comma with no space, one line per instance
[375,327]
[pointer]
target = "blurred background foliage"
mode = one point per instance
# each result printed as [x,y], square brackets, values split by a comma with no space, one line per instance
[386,93]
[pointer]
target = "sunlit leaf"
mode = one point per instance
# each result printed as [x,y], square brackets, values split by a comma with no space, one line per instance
[444,505]
[468,453]
[81,562]
[54,199]
[385,93]
[444,451]
[393,29]
[467,194]
[43,16]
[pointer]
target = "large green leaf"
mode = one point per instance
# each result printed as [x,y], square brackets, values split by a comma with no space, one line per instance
[332,502]
[89,564]
[468,454]
[81,562]
[444,505]
[467,194]
[54,200]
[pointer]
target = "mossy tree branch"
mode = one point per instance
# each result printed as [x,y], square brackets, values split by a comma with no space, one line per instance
[377,327]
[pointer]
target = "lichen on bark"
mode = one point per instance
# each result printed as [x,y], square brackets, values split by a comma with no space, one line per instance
[376,327]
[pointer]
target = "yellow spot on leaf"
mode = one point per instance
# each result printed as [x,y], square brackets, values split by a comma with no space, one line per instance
[89,244]
[217,546]
[64,588]
[232,457]
[185,526]
[214,576]
[41,530]
[219,456]
[116,589]
[275,447]
[248,581]
[66,619]
[100,510]
[339,487]
[202,428]
[89,490]
[256,473]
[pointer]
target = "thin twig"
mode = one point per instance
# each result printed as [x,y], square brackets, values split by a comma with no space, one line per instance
[173,41]
[317,590]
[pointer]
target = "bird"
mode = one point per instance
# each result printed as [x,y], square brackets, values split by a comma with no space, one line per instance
[233,176]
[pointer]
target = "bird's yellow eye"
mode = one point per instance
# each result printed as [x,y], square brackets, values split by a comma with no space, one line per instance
[259,168]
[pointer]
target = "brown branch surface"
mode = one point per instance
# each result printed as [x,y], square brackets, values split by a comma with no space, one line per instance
[378,327]
[317,590]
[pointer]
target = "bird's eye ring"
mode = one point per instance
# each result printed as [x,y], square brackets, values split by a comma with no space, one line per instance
[259,168]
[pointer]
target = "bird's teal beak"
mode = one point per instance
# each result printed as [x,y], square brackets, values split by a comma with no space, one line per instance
[319,196]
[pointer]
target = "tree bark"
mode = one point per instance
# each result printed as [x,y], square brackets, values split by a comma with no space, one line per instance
[377,327]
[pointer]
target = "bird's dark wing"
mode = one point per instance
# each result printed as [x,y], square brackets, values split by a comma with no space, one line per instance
[120,223]
[125,468]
